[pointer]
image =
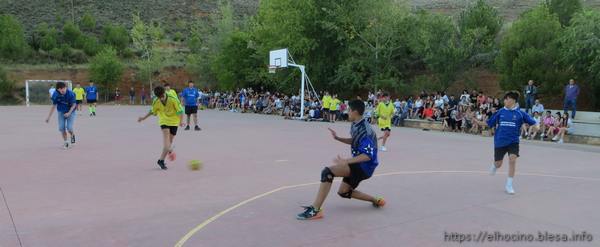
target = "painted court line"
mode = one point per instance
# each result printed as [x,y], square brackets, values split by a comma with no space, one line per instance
[199,227]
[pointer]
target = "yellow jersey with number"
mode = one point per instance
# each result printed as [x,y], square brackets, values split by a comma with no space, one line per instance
[167,112]
[385,113]
[79,92]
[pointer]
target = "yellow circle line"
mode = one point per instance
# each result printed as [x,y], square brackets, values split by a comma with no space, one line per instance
[199,227]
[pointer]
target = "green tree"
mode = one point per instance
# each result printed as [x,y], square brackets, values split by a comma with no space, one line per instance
[8,89]
[12,38]
[377,36]
[106,69]
[88,22]
[116,36]
[49,40]
[580,51]
[440,45]
[479,26]
[71,33]
[565,9]
[236,62]
[207,40]
[89,44]
[147,39]
[529,50]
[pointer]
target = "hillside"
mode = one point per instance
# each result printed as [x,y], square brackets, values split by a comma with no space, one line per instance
[32,12]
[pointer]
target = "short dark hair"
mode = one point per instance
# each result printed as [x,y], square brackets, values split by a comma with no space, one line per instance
[357,105]
[386,94]
[190,81]
[167,84]
[512,94]
[60,85]
[159,91]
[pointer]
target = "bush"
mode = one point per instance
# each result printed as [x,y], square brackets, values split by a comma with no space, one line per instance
[116,36]
[49,40]
[530,50]
[88,23]
[12,39]
[8,89]
[89,45]
[71,34]
[106,69]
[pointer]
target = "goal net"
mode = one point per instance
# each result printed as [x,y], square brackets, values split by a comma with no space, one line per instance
[38,91]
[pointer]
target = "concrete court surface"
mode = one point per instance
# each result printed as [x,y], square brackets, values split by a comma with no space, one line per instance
[258,170]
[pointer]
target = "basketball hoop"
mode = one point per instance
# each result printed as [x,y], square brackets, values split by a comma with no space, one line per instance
[272,69]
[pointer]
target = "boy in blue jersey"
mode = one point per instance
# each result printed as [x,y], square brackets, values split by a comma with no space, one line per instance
[508,122]
[361,166]
[91,94]
[190,97]
[64,101]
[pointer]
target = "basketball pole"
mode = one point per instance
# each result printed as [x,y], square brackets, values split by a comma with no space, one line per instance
[302,81]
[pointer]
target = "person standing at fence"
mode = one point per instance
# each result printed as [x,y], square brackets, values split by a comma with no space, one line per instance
[143,96]
[131,96]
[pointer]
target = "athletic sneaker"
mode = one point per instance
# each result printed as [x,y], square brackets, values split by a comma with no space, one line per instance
[555,138]
[509,189]
[197,128]
[379,202]
[383,149]
[162,164]
[493,169]
[72,139]
[187,128]
[310,213]
[66,146]
[560,141]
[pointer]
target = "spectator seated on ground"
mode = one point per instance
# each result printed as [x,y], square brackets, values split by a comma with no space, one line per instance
[534,129]
[555,127]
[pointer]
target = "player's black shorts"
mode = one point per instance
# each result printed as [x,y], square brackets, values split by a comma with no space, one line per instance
[189,110]
[386,129]
[78,101]
[90,101]
[326,110]
[356,176]
[510,149]
[172,129]
[335,112]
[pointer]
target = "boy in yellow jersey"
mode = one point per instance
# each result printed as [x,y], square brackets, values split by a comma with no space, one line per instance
[79,94]
[326,103]
[170,116]
[385,111]
[334,108]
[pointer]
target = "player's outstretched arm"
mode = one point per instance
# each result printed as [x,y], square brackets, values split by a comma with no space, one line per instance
[50,114]
[140,119]
[340,139]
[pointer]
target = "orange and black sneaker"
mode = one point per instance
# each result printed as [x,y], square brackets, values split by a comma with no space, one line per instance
[171,156]
[310,213]
[379,202]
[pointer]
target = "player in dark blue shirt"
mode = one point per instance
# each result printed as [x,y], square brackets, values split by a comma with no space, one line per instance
[354,170]
[91,94]
[190,97]
[508,122]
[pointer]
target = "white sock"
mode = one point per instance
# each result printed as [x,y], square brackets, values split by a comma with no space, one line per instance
[509,181]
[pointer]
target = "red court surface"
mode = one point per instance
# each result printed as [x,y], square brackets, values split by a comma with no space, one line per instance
[108,190]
